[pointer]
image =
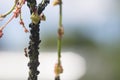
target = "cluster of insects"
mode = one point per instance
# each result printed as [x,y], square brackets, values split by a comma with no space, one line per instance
[36,17]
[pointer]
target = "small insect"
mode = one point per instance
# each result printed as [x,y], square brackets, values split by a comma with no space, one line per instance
[42,17]
[26,52]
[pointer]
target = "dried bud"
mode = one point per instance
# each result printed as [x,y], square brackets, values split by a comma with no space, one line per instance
[21,22]
[26,30]
[61,31]
[42,17]
[1,33]
[58,69]
[56,2]
[16,12]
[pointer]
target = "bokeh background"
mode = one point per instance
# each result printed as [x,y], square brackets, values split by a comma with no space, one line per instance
[92,30]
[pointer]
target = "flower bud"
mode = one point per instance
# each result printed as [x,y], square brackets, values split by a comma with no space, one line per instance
[21,22]
[35,18]
[60,31]
[58,69]
[25,30]
[1,33]
[56,2]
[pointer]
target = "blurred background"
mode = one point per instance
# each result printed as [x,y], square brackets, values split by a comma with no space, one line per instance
[92,30]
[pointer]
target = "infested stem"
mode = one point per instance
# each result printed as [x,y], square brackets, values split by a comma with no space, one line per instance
[34,37]
[33,52]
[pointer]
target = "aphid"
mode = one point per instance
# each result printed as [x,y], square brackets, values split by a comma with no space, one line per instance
[26,53]
[42,17]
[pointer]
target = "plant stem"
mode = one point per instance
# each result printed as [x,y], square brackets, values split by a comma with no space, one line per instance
[60,14]
[57,78]
[33,51]
[59,37]
[34,39]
